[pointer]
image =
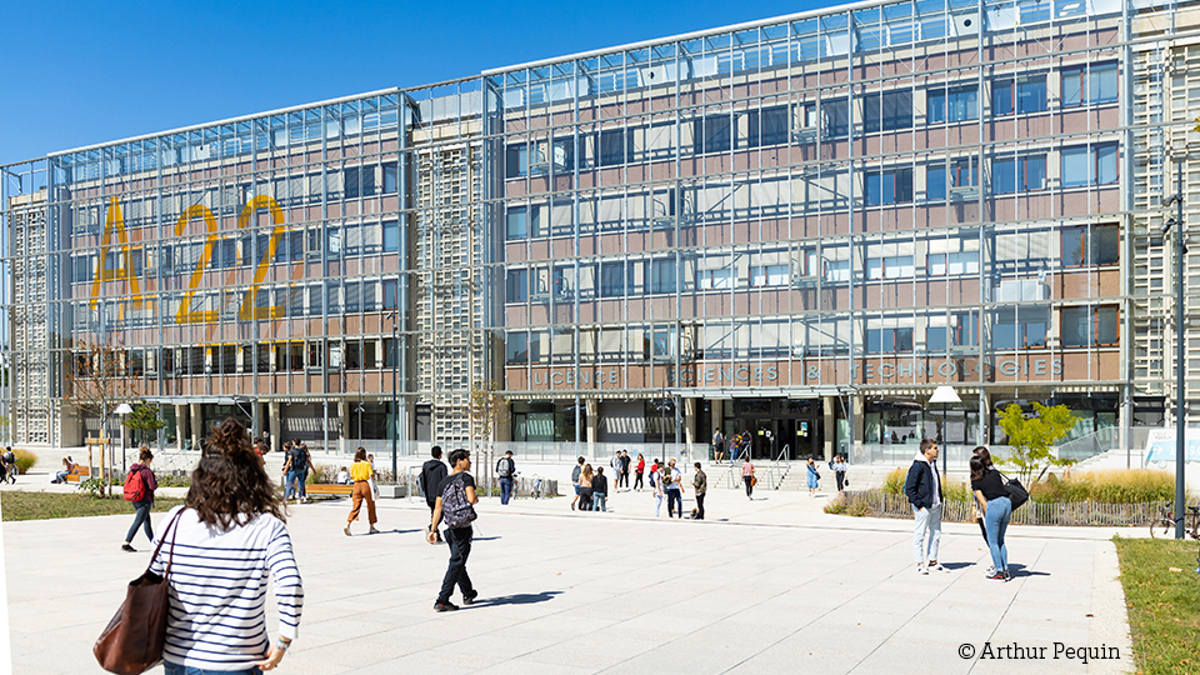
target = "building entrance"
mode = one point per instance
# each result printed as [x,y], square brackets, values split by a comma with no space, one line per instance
[791,428]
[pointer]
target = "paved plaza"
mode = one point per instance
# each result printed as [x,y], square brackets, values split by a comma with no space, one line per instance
[769,586]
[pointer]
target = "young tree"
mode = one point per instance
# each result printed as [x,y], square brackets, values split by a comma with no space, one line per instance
[1032,437]
[485,404]
[96,383]
[143,419]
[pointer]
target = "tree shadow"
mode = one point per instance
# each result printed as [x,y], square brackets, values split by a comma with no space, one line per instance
[518,599]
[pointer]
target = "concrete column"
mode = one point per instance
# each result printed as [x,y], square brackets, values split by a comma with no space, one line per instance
[984,437]
[197,425]
[1125,411]
[275,425]
[718,416]
[344,415]
[689,420]
[830,409]
[857,405]
[181,425]
[592,406]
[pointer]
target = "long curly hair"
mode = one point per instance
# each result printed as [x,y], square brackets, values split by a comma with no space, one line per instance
[230,482]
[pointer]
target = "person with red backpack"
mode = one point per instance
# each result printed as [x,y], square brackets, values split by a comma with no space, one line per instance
[140,485]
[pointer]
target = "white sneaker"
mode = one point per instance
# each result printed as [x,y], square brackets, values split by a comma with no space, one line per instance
[990,572]
[937,567]
[921,569]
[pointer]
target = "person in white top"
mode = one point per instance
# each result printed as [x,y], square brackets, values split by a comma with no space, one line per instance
[229,540]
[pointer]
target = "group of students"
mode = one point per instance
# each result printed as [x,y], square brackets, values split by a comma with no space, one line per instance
[991,506]
[591,487]
[739,444]
[8,466]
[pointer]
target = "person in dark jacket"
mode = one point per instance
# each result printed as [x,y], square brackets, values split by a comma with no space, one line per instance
[143,505]
[433,472]
[600,491]
[923,488]
[992,499]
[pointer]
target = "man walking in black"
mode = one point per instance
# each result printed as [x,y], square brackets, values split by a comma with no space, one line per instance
[433,472]
[506,469]
[456,497]
[700,482]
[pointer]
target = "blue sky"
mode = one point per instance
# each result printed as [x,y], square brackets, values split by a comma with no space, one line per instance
[78,73]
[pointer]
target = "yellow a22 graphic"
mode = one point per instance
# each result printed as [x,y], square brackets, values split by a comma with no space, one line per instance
[115,223]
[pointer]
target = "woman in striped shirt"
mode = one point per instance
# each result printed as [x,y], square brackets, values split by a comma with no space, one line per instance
[228,538]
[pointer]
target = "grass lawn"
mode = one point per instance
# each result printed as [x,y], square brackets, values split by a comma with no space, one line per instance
[42,505]
[1164,606]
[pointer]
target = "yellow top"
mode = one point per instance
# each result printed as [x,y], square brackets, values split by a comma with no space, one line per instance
[360,471]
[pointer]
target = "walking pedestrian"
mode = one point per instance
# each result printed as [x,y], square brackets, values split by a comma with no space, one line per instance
[748,477]
[639,470]
[224,541]
[993,500]
[297,466]
[361,473]
[10,465]
[814,478]
[923,488]
[623,478]
[575,473]
[673,477]
[700,484]
[506,469]
[454,506]
[600,491]
[433,472]
[839,471]
[140,485]
[585,488]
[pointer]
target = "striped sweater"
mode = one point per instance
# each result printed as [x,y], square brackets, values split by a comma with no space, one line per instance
[218,591]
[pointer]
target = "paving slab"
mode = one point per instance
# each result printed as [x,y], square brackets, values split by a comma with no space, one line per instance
[768,585]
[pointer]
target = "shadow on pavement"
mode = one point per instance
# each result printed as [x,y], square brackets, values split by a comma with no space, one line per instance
[1021,571]
[518,599]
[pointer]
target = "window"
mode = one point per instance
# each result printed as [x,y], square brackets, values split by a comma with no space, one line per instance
[961,262]
[518,285]
[662,275]
[889,187]
[516,348]
[889,340]
[962,332]
[616,146]
[837,270]
[1084,85]
[1020,328]
[1023,95]
[890,267]
[956,104]
[390,183]
[1089,326]
[391,236]
[1089,165]
[712,134]
[768,126]
[613,277]
[935,182]
[516,161]
[359,181]
[1099,246]
[836,116]
[887,111]
[389,293]
[720,279]
[518,222]
[1018,174]
[769,275]
[964,172]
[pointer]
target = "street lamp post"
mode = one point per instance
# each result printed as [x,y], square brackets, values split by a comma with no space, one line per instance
[395,398]
[123,410]
[944,394]
[1180,382]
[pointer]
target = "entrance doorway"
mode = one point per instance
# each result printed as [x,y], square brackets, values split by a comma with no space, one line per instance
[791,428]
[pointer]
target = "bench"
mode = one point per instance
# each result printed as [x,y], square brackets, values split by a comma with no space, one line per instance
[78,473]
[328,489]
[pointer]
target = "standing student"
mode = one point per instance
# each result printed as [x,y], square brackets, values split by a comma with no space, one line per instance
[296,466]
[506,469]
[623,478]
[639,470]
[600,491]
[748,477]
[673,477]
[615,463]
[575,473]
[361,473]
[585,488]
[814,478]
[923,488]
[839,471]
[433,472]
[141,476]
[454,502]
[718,441]
[700,483]
[656,483]
[226,540]
[986,456]
[993,500]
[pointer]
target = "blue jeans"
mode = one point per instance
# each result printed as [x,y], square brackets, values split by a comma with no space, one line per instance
[506,486]
[296,479]
[674,503]
[176,669]
[142,518]
[601,501]
[926,519]
[999,511]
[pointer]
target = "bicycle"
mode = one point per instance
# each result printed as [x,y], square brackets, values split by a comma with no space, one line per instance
[1164,525]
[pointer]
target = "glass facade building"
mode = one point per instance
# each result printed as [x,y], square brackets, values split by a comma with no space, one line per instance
[796,227]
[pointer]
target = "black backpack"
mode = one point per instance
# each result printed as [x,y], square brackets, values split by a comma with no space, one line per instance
[456,510]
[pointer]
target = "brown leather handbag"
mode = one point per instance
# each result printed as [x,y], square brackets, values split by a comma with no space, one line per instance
[133,641]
